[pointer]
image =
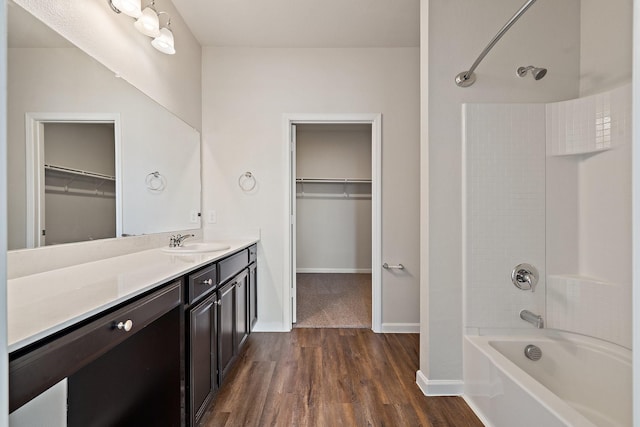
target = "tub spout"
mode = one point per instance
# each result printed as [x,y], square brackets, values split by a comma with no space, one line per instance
[532,318]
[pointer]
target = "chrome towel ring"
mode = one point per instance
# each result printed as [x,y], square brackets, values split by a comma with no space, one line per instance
[155,182]
[247,182]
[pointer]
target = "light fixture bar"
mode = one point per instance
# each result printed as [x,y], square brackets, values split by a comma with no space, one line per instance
[148,22]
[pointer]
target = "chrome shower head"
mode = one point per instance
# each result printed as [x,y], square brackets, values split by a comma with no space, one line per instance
[536,72]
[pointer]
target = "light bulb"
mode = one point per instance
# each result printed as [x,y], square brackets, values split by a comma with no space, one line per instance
[148,23]
[164,42]
[132,8]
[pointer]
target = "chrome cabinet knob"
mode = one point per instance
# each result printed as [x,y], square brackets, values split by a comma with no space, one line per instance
[126,325]
[207,282]
[219,302]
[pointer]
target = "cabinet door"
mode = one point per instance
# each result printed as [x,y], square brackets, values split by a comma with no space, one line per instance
[253,296]
[203,368]
[226,328]
[242,312]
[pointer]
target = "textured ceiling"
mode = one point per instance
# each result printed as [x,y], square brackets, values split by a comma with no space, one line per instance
[25,31]
[302,23]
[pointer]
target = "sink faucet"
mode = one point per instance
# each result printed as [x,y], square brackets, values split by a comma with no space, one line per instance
[532,318]
[176,241]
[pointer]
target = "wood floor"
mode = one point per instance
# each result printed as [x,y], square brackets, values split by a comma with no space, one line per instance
[331,377]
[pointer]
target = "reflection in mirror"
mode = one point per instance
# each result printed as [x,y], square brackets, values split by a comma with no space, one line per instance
[156,165]
[79,182]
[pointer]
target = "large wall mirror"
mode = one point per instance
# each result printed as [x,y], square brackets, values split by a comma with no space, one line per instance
[89,156]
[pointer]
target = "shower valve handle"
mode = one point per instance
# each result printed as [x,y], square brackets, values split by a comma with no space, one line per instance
[525,277]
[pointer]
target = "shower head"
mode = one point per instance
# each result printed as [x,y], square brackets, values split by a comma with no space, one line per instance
[536,72]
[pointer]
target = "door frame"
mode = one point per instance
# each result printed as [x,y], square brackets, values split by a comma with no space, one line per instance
[34,139]
[375,120]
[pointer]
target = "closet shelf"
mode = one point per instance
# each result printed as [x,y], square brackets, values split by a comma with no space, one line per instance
[79,172]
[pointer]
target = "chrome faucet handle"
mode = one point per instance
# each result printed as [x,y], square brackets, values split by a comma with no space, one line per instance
[525,276]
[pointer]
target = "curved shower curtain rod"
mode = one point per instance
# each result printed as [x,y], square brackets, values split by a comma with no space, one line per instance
[467,78]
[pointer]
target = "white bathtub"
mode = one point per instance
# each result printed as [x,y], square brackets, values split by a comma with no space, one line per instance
[579,381]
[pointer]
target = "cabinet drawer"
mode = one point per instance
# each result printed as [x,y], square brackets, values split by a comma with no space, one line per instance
[253,253]
[201,282]
[32,373]
[229,267]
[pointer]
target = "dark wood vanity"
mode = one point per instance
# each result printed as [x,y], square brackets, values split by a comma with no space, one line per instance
[156,359]
[219,319]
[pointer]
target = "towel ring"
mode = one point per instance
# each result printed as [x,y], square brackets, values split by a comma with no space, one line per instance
[155,182]
[247,182]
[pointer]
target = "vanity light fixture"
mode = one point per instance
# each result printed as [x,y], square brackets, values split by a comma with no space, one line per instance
[132,8]
[148,22]
[164,40]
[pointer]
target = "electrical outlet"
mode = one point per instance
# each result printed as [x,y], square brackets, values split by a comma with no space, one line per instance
[193,216]
[212,218]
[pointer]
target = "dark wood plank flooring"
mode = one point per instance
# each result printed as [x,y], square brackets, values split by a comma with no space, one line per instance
[331,377]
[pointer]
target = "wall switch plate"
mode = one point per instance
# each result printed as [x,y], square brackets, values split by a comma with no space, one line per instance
[212,218]
[193,216]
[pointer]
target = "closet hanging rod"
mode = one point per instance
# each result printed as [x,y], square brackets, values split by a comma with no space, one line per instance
[79,172]
[78,191]
[467,78]
[334,180]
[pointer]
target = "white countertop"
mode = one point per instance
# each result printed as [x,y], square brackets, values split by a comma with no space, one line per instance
[45,303]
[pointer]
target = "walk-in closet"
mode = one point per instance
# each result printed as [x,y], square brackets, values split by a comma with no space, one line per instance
[333,225]
[80,185]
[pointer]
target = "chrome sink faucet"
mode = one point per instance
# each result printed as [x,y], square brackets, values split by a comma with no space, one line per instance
[532,318]
[176,241]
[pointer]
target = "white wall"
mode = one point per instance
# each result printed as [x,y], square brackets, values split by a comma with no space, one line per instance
[457,32]
[333,220]
[174,81]
[4,356]
[245,94]
[605,44]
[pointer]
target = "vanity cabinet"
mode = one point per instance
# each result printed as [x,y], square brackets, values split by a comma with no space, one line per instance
[242,309]
[219,317]
[226,329]
[253,295]
[140,339]
[202,356]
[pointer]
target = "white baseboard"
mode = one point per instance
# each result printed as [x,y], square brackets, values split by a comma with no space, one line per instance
[400,328]
[439,387]
[333,270]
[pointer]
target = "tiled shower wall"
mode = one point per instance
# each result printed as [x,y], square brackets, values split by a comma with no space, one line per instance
[583,186]
[589,215]
[504,216]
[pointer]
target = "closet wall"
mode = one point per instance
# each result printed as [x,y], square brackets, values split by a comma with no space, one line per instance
[79,208]
[333,200]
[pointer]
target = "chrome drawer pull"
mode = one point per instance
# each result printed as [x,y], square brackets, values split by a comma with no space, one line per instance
[126,326]
[207,282]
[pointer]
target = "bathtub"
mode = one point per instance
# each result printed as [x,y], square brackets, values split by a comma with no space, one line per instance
[579,381]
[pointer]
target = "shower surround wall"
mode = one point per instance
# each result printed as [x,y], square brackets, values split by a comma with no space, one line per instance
[504,211]
[585,147]
[589,215]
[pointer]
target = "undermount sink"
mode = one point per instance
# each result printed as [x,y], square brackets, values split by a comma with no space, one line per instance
[193,248]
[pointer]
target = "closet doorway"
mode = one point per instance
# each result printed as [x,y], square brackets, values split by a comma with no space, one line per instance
[73,187]
[335,228]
